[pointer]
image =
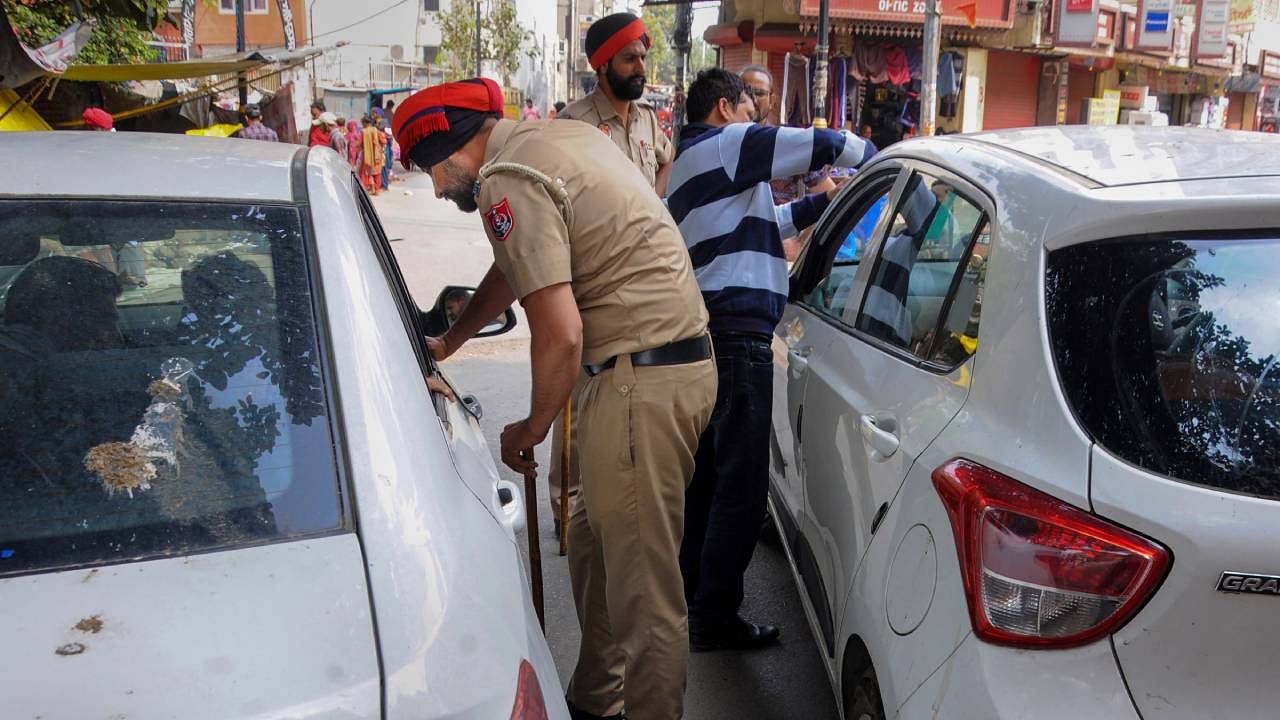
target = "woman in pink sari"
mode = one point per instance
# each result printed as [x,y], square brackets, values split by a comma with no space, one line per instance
[353,144]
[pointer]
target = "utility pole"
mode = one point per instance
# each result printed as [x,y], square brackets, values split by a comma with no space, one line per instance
[244,84]
[683,43]
[477,38]
[820,66]
[929,68]
[571,54]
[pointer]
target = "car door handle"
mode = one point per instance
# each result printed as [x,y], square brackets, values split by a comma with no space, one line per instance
[472,404]
[510,504]
[880,434]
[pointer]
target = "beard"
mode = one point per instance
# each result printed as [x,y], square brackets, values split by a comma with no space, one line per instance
[458,187]
[628,88]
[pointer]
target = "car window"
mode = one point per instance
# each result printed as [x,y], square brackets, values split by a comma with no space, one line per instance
[160,383]
[399,290]
[958,339]
[926,246]
[1168,349]
[832,295]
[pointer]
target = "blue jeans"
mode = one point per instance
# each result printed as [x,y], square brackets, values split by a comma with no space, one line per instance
[726,499]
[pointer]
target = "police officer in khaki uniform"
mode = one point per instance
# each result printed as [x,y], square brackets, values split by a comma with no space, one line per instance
[617,46]
[593,255]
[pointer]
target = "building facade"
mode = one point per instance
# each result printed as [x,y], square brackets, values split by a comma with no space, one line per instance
[1016,63]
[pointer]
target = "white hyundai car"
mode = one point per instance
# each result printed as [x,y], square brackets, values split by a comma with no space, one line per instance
[226,490]
[1026,454]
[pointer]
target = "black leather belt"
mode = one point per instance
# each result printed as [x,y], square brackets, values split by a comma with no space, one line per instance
[680,352]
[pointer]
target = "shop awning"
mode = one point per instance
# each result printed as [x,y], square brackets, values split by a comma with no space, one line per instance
[185,69]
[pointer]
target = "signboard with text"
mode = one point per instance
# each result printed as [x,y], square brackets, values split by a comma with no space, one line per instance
[1155,25]
[1076,27]
[1269,65]
[990,13]
[1212,25]
[1244,13]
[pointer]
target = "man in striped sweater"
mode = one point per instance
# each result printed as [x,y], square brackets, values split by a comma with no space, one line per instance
[721,199]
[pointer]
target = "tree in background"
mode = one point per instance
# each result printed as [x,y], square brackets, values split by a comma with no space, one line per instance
[121,31]
[660,21]
[503,39]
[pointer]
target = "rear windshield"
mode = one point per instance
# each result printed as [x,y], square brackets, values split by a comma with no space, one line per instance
[160,391]
[1167,353]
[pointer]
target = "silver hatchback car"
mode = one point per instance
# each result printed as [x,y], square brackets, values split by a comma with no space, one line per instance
[228,490]
[1026,452]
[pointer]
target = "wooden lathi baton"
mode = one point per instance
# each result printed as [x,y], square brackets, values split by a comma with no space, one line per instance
[535,549]
[566,462]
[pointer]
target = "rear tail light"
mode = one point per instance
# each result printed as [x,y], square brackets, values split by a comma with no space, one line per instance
[529,704]
[1038,572]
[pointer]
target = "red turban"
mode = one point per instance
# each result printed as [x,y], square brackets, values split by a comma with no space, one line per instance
[433,123]
[97,118]
[610,34]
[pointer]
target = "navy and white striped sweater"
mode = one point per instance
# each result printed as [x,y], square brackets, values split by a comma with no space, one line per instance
[721,200]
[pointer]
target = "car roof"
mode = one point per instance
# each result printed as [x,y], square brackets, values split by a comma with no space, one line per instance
[1117,155]
[138,165]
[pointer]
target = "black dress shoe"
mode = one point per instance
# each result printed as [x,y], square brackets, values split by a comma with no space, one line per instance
[577,714]
[737,634]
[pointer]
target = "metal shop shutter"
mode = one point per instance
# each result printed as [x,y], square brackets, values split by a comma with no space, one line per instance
[1080,86]
[732,58]
[1013,90]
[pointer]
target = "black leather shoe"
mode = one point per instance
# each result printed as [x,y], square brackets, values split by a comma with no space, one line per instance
[576,714]
[738,634]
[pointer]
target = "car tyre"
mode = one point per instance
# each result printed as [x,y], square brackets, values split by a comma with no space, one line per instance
[862,697]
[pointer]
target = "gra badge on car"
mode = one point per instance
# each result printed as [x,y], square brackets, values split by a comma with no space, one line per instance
[1238,582]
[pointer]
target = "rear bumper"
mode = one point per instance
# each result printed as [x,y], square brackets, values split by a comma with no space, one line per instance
[986,681]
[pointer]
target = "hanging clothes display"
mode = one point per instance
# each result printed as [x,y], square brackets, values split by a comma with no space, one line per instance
[839,87]
[795,107]
[870,63]
[950,78]
[895,61]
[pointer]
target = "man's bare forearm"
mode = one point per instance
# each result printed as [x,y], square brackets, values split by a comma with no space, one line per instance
[493,296]
[555,351]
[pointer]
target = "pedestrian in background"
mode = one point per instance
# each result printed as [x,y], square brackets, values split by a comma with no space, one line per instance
[254,128]
[354,146]
[588,248]
[530,112]
[319,134]
[721,200]
[337,139]
[98,120]
[373,144]
[388,154]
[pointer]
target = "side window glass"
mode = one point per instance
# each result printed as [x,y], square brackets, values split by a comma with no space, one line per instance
[404,301]
[832,295]
[926,247]
[959,338]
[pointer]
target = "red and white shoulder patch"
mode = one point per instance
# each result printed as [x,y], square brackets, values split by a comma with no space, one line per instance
[501,221]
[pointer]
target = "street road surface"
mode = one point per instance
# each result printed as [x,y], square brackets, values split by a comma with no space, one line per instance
[438,245]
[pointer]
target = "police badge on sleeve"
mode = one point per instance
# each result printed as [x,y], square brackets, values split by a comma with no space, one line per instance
[501,221]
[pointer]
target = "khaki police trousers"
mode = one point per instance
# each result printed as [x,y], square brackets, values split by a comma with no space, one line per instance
[638,433]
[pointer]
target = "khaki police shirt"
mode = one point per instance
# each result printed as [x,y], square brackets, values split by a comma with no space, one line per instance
[630,272]
[643,143]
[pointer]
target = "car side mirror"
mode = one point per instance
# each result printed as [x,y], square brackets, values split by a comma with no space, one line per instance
[449,306]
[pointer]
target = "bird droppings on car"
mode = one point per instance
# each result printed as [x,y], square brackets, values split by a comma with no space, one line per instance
[120,466]
[92,624]
[74,648]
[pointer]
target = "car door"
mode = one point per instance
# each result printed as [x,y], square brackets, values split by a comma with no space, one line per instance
[893,373]
[822,283]
[461,423]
